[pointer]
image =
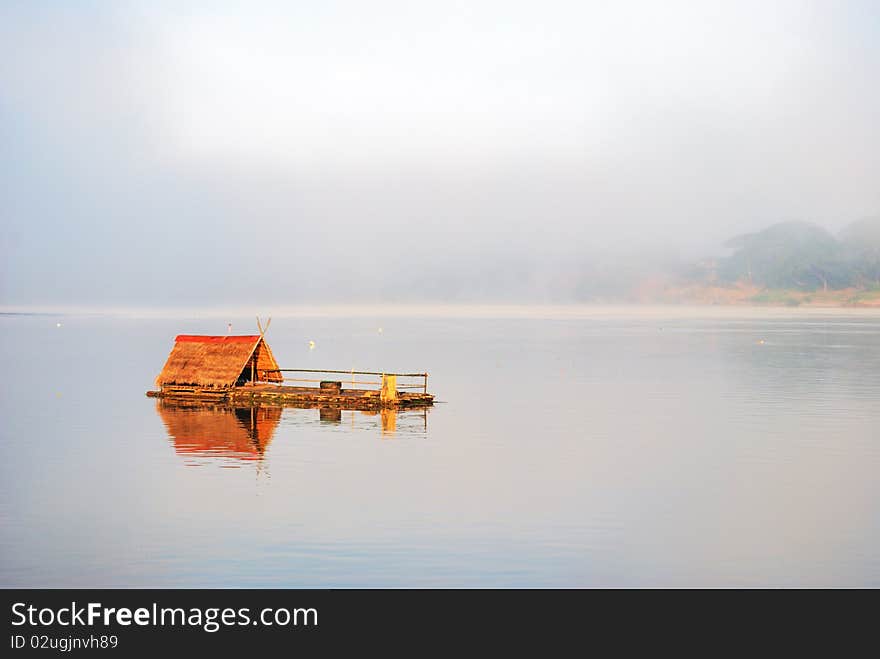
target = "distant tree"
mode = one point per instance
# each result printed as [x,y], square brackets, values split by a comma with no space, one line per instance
[788,255]
[861,244]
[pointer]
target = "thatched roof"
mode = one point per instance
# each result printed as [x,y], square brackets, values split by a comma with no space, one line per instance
[209,430]
[217,361]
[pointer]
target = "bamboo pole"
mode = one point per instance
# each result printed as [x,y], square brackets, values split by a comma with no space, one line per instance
[375,384]
[322,370]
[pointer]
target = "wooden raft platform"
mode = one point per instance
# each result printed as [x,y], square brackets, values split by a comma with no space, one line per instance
[347,399]
[242,370]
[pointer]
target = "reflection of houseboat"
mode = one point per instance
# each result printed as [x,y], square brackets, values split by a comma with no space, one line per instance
[214,430]
[201,429]
[242,370]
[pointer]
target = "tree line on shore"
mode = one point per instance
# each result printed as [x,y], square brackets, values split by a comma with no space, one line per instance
[800,256]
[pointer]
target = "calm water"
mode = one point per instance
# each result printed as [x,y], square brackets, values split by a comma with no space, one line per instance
[583,447]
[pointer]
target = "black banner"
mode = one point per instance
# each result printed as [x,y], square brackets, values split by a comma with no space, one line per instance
[122,622]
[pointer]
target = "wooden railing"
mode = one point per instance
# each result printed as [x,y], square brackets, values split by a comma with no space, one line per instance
[423,376]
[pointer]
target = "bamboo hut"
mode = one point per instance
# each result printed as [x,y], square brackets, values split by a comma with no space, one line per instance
[218,362]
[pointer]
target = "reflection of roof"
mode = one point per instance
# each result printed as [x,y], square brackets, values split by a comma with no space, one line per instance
[214,430]
[216,361]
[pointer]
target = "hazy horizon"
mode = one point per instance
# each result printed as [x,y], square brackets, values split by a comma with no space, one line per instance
[268,155]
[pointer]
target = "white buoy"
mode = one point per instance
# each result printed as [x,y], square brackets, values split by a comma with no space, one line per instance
[57,324]
[381,330]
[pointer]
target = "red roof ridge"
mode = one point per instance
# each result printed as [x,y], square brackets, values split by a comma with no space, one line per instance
[199,338]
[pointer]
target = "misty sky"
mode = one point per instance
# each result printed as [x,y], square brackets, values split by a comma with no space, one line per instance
[292,152]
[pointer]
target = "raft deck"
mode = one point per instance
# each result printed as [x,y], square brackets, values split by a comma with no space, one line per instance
[348,399]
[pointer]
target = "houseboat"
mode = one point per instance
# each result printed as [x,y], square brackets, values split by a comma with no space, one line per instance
[242,370]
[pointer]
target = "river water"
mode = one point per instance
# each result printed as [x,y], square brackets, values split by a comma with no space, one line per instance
[568,447]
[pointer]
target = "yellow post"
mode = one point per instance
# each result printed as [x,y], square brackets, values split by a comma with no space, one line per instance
[389,389]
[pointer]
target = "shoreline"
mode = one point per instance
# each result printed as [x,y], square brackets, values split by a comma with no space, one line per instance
[753,296]
[674,303]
